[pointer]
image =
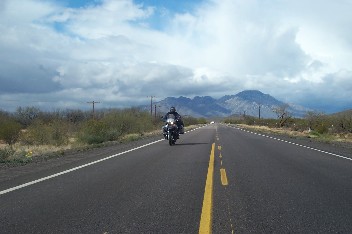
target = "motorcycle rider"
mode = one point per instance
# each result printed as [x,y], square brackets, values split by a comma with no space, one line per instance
[178,118]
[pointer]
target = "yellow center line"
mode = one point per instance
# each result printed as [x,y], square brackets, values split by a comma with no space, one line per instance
[206,216]
[224,180]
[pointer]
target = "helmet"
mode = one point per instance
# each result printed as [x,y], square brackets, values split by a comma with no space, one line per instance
[172,109]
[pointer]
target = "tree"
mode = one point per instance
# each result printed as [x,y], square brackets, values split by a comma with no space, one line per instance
[76,116]
[26,115]
[283,115]
[343,122]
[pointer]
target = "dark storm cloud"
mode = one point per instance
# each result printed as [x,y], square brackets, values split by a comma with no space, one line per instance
[27,78]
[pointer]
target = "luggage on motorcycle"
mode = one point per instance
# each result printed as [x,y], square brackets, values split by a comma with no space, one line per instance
[182,131]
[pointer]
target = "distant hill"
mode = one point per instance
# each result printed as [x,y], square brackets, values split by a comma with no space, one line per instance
[247,102]
[347,113]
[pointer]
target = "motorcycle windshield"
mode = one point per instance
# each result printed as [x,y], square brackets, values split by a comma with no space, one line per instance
[171,118]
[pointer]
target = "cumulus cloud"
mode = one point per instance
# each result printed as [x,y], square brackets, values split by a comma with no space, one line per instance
[115,51]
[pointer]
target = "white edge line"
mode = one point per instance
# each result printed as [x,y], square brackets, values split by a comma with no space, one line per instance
[73,169]
[307,147]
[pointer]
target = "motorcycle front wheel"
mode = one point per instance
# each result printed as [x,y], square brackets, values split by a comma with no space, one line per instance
[171,139]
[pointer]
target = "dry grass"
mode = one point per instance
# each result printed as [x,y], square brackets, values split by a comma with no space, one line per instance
[36,150]
[343,137]
[265,129]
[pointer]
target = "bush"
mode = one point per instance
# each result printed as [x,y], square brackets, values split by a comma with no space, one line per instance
[129,121]
[189,120]
[9,130]
[343,123]
[233,121]
[59,132]
[27,115]
[55,132]
[202,121]
[94,132]
[9,155]
[21,157]
[249,120]
[6,153]
[321,129]
[116,124]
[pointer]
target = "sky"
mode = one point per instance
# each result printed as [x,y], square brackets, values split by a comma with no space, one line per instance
[62,54]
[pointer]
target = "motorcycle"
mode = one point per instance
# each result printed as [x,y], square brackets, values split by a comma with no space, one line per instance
[170,130]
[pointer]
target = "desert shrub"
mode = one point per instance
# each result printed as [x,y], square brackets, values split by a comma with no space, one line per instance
[116,124]
[129,121]
[26,115]
[343,123]
[318,122]
[189,120]
[20,157]
[233,120]
[36,134]
[59,132]
[202,121]
[249,120]
[4,115]
[76,116]
[6,153]
[158,122]
[94,132]
[9,130]
[299,124]
[9,155]
[321,129]
[56,132]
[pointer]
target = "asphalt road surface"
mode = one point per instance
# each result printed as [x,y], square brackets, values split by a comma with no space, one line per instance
[216,179]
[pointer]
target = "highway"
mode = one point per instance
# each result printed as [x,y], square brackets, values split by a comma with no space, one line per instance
[217,179]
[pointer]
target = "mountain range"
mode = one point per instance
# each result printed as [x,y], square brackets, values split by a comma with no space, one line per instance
[248,102]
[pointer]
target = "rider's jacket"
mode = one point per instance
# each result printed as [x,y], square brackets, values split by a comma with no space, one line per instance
[177,115]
